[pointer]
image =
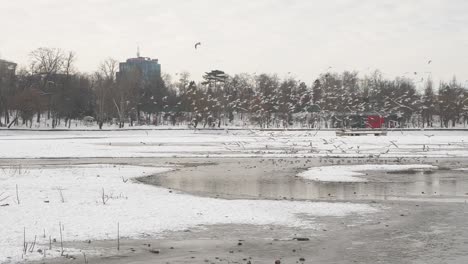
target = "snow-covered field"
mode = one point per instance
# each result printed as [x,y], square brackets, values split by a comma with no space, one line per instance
[188,143]
[354,173]
[89,201]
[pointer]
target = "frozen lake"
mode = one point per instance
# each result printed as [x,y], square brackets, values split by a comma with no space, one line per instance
[276,179]
[216,188]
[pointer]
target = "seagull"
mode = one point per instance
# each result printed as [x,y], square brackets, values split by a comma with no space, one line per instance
[388,150]
[393,143]
[197,44]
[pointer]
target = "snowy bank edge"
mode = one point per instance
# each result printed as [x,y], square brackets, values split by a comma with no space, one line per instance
[351,173]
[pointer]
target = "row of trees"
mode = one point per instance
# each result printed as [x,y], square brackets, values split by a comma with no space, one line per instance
[50,88]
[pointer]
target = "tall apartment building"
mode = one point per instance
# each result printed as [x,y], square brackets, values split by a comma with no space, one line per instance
[145,67]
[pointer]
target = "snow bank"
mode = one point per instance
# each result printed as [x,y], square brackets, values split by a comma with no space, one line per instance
[73,196]
[351,173]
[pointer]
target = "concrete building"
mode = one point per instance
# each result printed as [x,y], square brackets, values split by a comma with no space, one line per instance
[145,67]
[7,68]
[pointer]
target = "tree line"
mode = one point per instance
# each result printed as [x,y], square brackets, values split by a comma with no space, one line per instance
[51,88]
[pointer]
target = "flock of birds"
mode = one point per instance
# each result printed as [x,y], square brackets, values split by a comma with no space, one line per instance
[279,143]
[405,75]
[397,101]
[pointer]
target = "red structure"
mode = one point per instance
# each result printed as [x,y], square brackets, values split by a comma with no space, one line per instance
[374,121]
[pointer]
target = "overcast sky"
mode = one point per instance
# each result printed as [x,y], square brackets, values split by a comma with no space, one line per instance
[304,37]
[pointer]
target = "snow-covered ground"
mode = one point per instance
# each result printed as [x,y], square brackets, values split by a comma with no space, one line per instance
[354,173]
[246,143]
[89,201]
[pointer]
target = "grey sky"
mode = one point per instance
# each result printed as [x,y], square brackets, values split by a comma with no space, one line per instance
[303,37]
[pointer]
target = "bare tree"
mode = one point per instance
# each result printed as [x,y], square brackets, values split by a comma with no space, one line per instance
[104,83]
[429,104]
[109,68]
[46,63]
[69,60]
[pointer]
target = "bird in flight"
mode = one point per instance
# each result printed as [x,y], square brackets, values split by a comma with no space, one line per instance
[197,44]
